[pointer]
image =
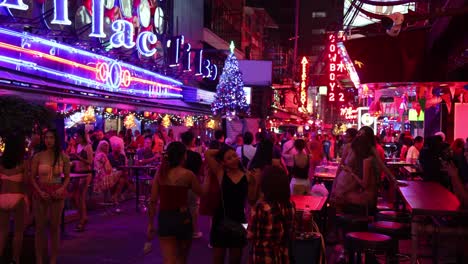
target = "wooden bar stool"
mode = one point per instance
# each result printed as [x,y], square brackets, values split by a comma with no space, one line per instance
[357,243]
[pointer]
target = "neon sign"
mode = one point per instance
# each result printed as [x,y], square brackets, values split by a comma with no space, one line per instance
[123,35]
[303,93]
[349,113]
[335,66]
[48,59]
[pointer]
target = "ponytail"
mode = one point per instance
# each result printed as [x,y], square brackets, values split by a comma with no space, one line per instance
[163,167]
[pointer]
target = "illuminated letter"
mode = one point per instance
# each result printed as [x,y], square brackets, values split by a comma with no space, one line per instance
[214,71]
[123,36]
[14,4]
[332,48]
[97,28]
[61,13]
[332,67]
[332,86]
[199,59]
[332,76]
[143,39]
[207,67]
[187,62]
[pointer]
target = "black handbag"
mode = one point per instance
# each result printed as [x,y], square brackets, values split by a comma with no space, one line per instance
[229,228]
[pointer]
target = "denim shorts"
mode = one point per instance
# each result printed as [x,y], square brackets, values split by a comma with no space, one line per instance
[177,223]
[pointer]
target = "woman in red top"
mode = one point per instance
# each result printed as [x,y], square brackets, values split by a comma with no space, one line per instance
[171,186]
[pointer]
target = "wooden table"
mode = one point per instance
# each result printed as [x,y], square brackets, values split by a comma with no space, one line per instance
[308,202]
[426,199]
[132,169]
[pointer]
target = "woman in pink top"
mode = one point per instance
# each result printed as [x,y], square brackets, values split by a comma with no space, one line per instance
[12,190]
[47,170]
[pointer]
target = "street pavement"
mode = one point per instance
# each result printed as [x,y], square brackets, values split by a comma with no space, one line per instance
[119,238]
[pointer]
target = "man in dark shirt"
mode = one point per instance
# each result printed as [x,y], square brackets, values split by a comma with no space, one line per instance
[218,143]
[145,154]
[194,163]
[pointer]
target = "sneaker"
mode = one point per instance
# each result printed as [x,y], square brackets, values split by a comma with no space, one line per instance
[197,235]
[147,248]
[209,245]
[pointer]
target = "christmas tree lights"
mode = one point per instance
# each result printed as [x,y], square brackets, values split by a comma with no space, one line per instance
[230,97]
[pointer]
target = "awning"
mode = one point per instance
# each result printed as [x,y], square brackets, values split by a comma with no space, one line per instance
[41,90]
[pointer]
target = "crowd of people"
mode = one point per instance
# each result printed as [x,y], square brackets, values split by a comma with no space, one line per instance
[245,186]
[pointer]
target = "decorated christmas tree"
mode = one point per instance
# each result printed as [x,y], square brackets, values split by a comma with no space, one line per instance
[230,98]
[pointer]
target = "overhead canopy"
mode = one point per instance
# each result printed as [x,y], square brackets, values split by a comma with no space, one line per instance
[36,89]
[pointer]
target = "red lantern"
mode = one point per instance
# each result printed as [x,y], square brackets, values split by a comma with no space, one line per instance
[146,114]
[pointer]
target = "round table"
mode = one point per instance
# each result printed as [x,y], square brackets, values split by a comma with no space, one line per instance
[132,169]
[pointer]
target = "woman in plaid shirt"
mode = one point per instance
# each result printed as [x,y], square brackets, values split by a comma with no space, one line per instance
[272,222]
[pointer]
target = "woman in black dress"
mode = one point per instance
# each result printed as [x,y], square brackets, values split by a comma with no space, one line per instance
[236,187]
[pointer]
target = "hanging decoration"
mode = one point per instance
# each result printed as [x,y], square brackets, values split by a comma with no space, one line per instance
[89,116]
[189,121]
[146,116]
[166,121]
[211,124]
[129,121]
[230,99]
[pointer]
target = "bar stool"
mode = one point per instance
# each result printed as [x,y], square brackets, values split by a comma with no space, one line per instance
[357,243]
[394,216]
[397,231]
[145,191]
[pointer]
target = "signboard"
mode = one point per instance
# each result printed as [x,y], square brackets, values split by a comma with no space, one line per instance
[366,119]
[349,113]
[335,67]
[303,88]
[48,59]
[129,29]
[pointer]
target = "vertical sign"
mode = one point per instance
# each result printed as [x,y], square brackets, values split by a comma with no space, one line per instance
[335,67]
[303,92]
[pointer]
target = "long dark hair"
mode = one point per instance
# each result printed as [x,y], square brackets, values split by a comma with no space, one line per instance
[14,151]
[174,156]
[263,155]
[275,185]
[57,144]
[362,147]
[82,134]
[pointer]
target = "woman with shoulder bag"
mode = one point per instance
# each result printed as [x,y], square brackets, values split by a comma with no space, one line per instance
[355,188]
[236,186]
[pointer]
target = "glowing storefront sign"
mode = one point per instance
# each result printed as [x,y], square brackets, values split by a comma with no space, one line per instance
[335,67]
[348,113]
[303,94]
[46,58]
[123,35]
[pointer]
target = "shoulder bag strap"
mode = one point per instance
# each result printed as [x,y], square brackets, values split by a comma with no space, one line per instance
[220,183]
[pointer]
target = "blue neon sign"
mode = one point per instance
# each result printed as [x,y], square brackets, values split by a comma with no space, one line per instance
[49,59]
[123,35]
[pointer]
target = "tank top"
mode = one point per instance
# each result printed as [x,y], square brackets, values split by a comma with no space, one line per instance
[50,174]
[235,195]
[172,197]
